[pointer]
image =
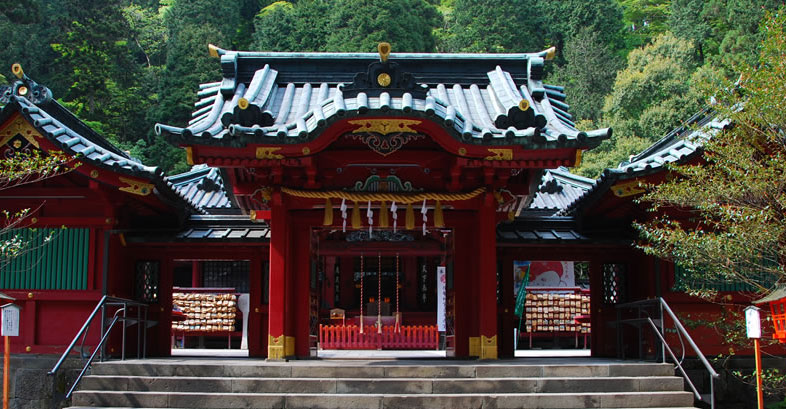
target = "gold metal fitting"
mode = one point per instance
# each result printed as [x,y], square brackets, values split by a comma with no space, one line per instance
[384,79]
[523,105]
[34,220]
[28,348]
[93,173]
[242,103]
[213,50]
[17,70]
[384,51]
[30,295]
[22,91]
[550,53]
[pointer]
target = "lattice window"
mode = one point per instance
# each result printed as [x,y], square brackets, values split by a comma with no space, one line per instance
[226,274]
[147,275]
[614,291]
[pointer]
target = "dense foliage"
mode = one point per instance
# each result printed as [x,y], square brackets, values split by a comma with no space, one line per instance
[736,199]
[122,65]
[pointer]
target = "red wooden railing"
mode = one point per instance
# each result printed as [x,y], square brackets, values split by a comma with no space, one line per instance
[405,337]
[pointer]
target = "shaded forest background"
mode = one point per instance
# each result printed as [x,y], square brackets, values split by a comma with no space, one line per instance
[639,66]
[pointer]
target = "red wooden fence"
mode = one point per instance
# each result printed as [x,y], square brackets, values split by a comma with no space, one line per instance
[406,337]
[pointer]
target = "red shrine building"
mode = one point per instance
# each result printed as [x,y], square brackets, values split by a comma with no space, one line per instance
[356,201]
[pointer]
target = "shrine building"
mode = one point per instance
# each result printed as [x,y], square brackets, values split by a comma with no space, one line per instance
[342,200]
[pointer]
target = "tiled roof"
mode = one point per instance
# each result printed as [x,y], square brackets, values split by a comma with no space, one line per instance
[558,189]
[47,117]
[75,138]
[678,146]
[203,187]
[280,98]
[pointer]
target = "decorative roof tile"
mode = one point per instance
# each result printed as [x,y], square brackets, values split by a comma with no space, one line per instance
[280,98]
[558,189]
[203,187]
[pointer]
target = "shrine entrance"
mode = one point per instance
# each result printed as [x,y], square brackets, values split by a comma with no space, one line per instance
[382,290]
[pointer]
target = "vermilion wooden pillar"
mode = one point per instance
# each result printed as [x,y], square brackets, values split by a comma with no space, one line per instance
[465,282]
[296,342]
[506,316]
[256,331]
[487,269]
[277,297]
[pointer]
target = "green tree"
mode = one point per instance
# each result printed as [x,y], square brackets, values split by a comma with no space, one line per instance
[645,19]
[346,25]
[652,95]
[359,25]
[26,40]
[493,26]
[688,20]
[588,74]
[565,19]
[725,32]
[281,26]
[736,199]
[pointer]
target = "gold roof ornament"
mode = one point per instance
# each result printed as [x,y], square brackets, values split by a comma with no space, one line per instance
[550,53]
[384,79]
[213,50]
[523,105]
[17,70]
[384,51]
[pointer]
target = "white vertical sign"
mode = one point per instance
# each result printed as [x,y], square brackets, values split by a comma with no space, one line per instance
[10,321]
[441,279]
[752,322]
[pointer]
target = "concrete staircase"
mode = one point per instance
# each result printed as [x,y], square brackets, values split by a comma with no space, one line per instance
[576,383]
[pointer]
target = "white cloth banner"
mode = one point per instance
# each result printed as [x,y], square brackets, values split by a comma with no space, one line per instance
[441,279]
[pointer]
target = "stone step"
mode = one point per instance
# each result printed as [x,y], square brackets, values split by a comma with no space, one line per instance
[104,407]
[90,398]
[311,370]
[382,386]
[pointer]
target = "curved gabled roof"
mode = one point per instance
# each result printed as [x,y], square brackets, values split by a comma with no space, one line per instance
[203,187]
[283,98]
[678,146]
[65,131]
[52,120]
[558,189]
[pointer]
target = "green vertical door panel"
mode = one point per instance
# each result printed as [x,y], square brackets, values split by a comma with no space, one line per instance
[52,259]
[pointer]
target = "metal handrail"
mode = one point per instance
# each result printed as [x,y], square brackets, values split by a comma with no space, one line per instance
[683,335]
[104,302]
